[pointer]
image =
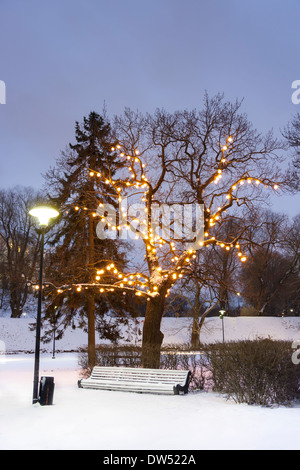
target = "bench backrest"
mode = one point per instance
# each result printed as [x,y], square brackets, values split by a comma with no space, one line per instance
[141,375]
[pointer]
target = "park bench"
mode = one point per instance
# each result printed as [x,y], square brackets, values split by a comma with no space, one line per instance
[161,381]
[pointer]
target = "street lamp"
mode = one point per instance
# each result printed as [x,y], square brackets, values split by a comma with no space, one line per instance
[222,313]
[43,214]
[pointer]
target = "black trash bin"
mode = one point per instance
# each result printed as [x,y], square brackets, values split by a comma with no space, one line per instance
[46,391]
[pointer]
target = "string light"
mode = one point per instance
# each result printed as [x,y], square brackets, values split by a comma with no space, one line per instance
[139,283]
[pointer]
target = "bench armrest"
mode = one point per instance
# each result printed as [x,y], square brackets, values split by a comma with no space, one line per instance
[183,388]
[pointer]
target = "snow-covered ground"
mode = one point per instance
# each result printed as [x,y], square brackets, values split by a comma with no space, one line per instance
[94,419]
[16,335]
[103,420]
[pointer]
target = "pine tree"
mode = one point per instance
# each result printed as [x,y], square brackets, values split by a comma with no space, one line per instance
[78,252]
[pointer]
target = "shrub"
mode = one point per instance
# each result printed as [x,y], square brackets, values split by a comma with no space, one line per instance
[249,312]
[254,372]
[111,356]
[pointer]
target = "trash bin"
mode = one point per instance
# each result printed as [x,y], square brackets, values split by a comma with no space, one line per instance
[46,391]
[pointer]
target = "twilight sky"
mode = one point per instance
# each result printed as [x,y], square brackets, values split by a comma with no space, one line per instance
[61,59]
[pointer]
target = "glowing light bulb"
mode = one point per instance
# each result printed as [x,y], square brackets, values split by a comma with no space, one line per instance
[44,214]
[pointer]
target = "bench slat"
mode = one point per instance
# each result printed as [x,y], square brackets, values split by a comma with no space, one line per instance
[129,387]
[136,377]
[139,371]
[97,383]
[132,382]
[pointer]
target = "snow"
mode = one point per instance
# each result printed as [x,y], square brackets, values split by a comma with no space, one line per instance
[95,419]
[236,328]
[102,420]
[16,336]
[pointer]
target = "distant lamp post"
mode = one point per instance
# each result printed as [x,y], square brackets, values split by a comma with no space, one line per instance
[54,321]
[238,296]
[43,214]
[222,313]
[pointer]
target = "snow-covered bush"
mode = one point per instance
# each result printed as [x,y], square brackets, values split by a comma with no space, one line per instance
[254,372]
[112,356]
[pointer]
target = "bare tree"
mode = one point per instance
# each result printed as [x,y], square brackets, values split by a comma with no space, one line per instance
[272,273]
[212,279]
[212,158]
[292,136]
[20,245]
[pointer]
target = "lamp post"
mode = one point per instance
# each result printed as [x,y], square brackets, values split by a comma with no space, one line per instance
[54,321]
[43,214]
[222,313]
[238,296]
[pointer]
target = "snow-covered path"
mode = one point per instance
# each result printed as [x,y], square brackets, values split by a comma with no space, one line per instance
[103,420]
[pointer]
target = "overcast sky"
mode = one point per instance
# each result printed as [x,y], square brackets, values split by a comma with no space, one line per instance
[60,59]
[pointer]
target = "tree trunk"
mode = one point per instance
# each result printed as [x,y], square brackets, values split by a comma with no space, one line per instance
[18,296]
[152,336]
[91,298]
[91,332]
[199,324]
[195,336]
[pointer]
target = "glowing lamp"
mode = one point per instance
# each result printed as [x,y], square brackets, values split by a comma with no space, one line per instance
[44,214]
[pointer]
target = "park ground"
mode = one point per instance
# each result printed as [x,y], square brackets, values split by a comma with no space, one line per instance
[103,420]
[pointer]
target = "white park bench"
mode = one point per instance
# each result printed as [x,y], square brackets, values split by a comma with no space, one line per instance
[162,381]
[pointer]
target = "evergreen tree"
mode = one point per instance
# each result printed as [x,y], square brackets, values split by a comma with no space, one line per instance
[79,253]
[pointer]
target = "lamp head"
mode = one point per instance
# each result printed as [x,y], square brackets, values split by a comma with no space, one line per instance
[44,214]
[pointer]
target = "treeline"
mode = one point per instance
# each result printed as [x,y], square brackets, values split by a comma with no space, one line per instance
[267,284]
